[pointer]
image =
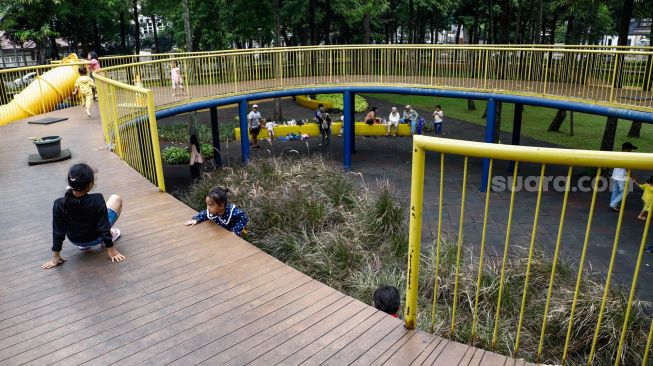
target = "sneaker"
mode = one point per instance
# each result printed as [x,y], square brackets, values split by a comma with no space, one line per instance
[83,248]
[614,209]
[88,113]
[115,234]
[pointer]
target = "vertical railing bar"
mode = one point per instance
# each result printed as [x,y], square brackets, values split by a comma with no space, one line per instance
[497,315]
[482,252]
[460,245]
[414,236]
[610,268]
[437,246]
[581,264]
[555,262]
[530,257]
[633,288]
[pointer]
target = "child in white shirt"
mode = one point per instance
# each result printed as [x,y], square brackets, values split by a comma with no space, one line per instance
[270,127]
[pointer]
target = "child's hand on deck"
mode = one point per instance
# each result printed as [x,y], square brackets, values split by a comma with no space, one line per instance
[190,223]
[52,263]
[115,255]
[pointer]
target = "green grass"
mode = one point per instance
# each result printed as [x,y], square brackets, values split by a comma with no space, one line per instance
[353,237]
[588,129]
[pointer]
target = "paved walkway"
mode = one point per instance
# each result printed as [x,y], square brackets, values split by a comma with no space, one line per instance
[390,158]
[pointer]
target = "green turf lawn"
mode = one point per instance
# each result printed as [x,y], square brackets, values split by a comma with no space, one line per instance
[588,129]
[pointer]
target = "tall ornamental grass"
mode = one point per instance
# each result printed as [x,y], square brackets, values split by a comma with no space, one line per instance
[353,237]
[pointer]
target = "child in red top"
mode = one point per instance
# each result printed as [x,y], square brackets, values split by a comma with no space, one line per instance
[386,299]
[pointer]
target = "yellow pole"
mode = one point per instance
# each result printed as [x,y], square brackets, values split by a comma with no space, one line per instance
[580,267]
[497,315]
[460,246]
[156,150]
[482,253]
[530,257]
[610,268]
[555,263]
[414,236]
[614,77]
[437,248]
[633,287]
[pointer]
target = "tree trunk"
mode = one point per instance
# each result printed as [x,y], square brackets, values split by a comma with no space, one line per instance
[635,129]
[537,32]
[137,30]
[366,28]
[471,105]
[490,22]
[123,33]
[557,121]
[497,122]
[554,25]
[96,36]
[607,143]
[311,21]
[327,22]
[187,30]
[411,24]
[624,23]
[458,30]
[54,50]
[156,36]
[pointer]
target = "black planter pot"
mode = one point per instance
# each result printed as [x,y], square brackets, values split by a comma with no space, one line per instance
[49,146]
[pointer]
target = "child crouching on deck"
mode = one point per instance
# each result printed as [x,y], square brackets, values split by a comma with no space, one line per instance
[222,212]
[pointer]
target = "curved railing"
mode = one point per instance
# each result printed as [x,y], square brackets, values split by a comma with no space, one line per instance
[611,76]
[131,93]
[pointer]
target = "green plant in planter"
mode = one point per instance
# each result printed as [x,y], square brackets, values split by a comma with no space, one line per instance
[174,155]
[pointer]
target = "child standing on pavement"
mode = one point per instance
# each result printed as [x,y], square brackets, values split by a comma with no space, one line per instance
[222,212]
[85,85]
[647,198]
[438,117]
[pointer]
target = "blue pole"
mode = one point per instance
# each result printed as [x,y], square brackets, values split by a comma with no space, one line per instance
[244,132]
[489,137]
[348,129]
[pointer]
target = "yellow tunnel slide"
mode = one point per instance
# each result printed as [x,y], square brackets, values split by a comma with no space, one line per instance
[43,94]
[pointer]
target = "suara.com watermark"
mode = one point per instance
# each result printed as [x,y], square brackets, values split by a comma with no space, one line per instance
[552,183]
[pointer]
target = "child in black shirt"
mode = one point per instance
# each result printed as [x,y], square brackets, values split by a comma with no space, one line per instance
[84,218]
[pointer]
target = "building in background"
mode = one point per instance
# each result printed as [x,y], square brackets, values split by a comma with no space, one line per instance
[639,34]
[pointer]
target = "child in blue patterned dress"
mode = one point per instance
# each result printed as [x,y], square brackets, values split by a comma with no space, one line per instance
[222,212]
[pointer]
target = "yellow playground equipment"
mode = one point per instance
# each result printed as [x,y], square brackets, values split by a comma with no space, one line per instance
[51,85]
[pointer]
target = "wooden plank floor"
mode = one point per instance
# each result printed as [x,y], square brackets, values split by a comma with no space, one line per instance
[183,296]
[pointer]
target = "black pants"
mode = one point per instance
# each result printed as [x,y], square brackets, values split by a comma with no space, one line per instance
[326,136]
[195,170]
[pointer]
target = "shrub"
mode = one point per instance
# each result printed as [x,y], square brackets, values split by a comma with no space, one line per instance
[352,237]
[360,103]
[178,132]
[174,155]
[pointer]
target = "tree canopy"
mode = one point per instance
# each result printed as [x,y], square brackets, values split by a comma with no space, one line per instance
[110,26]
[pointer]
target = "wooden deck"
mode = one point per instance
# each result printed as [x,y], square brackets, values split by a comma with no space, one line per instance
[183,296]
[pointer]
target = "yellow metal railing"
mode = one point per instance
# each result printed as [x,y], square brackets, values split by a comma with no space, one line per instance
[612,76]
[521,155]
[129,126]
